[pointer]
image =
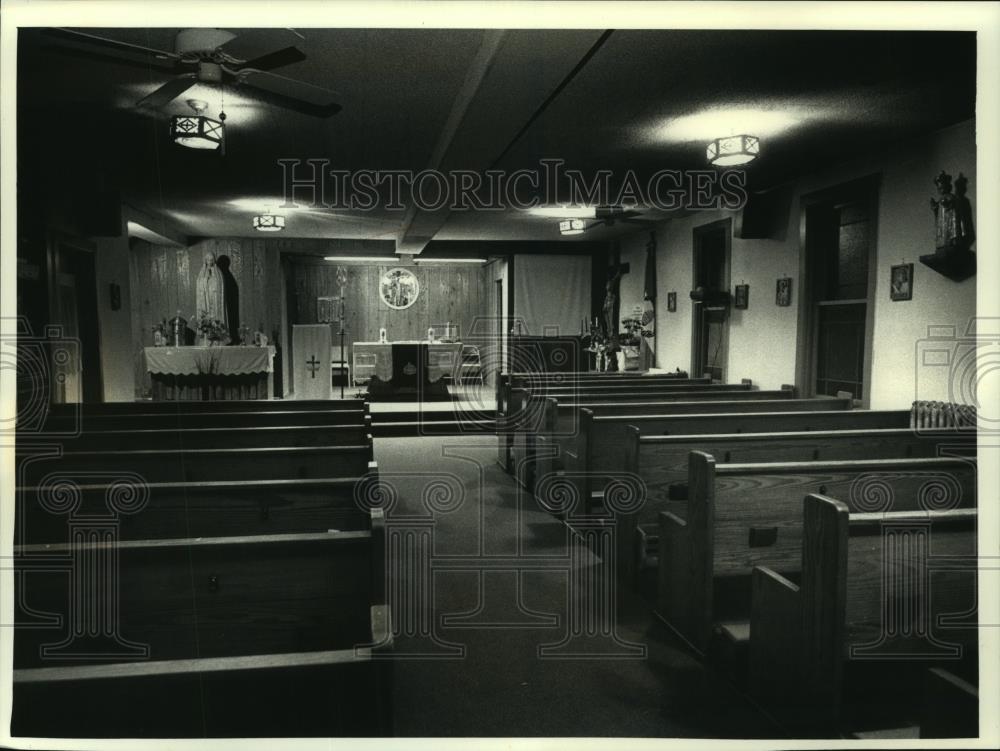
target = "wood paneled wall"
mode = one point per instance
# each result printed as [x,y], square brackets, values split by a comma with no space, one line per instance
[164,281]
[448,293]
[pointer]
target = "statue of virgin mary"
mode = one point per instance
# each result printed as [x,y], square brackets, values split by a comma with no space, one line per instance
[209,288]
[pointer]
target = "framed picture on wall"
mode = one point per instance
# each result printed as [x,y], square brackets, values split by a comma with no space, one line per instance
[901,282]
[327,309]
[671,302]
[741,300]
[783,292]
[399,288]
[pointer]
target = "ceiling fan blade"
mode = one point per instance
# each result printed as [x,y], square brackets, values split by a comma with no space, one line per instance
[111,44]
[297,96]
[168,92]
[276,59]
[253,43]
[144,62]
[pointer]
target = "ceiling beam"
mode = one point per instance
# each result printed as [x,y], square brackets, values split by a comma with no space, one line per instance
[409,242]
[512,78]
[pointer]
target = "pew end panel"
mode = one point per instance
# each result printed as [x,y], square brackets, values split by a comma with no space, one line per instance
[775,630]
[950,706]
[867,629]
[687,550]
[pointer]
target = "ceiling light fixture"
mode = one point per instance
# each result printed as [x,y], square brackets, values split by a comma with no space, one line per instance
[564,212]
[365,259]
[571,227]
[449,260]
[197,131]
[733,150]
[269,222]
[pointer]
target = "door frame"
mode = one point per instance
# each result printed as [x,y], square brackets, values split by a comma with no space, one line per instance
[697,233]
[55,241]
[808,322]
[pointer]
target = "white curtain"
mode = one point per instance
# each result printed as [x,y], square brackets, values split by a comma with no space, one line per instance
[552,293]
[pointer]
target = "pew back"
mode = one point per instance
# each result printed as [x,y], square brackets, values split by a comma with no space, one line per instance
[193,509]
[232,420]
[228,617]
[193,465]
[213,438]
[738,516]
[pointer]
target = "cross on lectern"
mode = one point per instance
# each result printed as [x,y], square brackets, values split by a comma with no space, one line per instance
[312,366]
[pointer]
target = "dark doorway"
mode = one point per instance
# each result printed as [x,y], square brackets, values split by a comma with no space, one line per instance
[837,305]
[710,314]
[73,307]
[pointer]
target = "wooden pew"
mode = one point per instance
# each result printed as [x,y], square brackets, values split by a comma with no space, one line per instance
[738,516]
[950,707]
[193,408]
[556,445]
[661,462]
[526,414]
[864,615]
[196,509]
[209,438]
[230,420]
[506,382]
[199,465]
[279,635]
[525,407]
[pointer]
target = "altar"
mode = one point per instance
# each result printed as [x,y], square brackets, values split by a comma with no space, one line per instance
[210,373]
[414,370]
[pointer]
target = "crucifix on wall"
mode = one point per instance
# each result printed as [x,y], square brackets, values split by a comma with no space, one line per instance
[612,301]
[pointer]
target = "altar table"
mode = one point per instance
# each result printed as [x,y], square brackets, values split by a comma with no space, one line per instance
[210,373]
[415,369]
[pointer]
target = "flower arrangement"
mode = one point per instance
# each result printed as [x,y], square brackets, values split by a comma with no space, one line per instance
[212,329]
[635,330]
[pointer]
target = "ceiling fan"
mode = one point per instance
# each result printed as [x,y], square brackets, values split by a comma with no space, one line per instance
[609,215]
[213,56]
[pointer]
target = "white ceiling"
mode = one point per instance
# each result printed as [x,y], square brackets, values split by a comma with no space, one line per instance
[474,99]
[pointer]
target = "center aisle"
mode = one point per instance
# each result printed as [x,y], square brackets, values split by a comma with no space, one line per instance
[500,686]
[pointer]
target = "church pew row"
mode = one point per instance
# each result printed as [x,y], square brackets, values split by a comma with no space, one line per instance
[555,446]
[508,381]
[68,425]
[163,510]
[526,406]
[193,408]
[211,438]
[529,382]
[281,635]
[661,464]
[738,516]
[846,647]
[545,414]
[201,465]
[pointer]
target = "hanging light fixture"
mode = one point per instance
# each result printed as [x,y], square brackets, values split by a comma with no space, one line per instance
[571,227]
[732,150]
[269,222]
[197,131]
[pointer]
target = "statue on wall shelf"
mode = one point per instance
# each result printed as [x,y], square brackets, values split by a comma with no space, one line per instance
[952,214]
[954,233]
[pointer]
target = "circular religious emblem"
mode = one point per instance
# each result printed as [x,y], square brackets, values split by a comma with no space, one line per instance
[399,288]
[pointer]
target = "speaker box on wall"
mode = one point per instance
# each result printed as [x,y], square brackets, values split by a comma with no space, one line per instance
[765,215]
[99,206]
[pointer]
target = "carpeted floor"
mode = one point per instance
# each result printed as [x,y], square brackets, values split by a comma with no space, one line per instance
[480,672]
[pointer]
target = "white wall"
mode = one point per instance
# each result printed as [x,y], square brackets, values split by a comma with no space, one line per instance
[111,261]
[762,339]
